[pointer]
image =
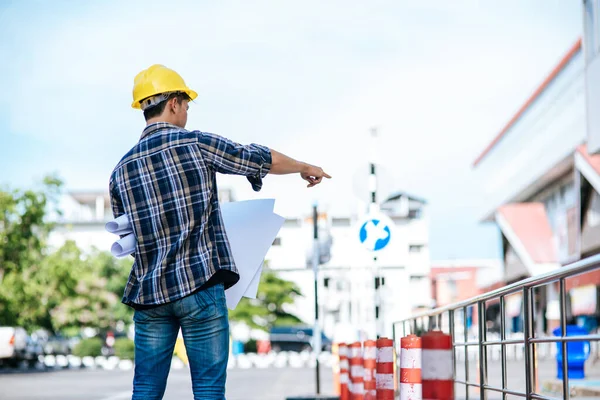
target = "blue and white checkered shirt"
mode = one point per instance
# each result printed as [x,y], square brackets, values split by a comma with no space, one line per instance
[167,185]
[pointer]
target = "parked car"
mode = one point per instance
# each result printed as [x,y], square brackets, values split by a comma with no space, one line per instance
[34,350]
[58,345]
[295,338]
[13,345]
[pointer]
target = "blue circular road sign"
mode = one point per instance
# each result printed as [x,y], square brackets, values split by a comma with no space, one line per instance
[375,234]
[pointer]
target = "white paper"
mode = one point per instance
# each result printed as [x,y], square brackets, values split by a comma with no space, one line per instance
[124,246]
[251,228]
[253,286]
[119,226]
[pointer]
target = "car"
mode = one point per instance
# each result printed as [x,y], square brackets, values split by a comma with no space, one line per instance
[58,345]
[14,345]
[295,339]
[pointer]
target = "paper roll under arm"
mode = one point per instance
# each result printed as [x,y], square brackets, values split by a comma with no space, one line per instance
[119,226]
[124,246]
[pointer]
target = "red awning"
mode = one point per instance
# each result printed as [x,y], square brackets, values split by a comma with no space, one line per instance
[530,225]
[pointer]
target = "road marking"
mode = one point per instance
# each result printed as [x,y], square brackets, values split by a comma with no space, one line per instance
[119,396]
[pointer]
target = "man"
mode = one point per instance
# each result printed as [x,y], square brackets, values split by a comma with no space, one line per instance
[167,185]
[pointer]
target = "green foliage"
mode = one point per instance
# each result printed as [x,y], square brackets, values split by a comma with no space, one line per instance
[268,309]
[95,301]
[55,290]
[23,234]
[91,347]
[124,348]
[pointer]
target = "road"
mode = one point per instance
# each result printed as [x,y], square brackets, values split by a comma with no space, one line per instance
[242,384]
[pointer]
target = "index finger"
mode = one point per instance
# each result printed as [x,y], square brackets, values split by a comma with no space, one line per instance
[326,175]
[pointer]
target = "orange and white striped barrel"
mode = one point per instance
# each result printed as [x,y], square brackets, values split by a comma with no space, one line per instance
[385,369]
[357,381]
[336,368]
[410,368]
[344,378]
[370,364]
[437,375]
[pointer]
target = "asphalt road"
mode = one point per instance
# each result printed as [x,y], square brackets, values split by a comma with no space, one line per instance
[242,384]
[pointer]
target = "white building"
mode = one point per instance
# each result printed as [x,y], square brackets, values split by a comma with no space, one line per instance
[347,278]
[83,217]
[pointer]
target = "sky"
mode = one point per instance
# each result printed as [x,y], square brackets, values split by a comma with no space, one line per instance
[438,80]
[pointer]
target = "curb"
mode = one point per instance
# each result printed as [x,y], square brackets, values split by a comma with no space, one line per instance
[239,361]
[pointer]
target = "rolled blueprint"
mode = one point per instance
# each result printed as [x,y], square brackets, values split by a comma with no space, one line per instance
[124,246]
[119,226]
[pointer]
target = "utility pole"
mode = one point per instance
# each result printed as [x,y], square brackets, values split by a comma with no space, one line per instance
[317,327]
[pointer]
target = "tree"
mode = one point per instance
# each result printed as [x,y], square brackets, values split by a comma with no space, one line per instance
[94,300]
[268,309]
[23,233]
[53,290]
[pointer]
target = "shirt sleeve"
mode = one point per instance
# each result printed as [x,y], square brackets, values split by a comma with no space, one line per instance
[115,200]
[227,157]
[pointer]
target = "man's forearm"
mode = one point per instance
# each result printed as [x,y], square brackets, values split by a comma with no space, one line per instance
[283,165]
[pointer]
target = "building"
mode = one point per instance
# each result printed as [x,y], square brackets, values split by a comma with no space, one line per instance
[349,275]
[540,185]
[84,215]
[458,280]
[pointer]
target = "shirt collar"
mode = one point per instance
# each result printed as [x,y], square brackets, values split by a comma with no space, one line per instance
[157,126]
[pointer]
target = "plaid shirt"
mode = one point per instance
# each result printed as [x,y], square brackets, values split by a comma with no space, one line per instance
[167,185]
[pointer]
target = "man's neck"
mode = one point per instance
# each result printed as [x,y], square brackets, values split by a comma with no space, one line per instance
[159,119]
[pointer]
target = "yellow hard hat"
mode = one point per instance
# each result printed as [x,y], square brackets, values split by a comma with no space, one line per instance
[156,80]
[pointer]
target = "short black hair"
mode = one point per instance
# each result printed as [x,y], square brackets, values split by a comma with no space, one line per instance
[160,107]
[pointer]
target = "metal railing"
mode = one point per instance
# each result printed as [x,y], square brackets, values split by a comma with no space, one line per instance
[420,323]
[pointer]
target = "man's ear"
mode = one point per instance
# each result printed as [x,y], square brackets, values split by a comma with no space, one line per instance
[172,104]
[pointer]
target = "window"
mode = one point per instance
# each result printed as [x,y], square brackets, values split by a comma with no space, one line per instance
[415,214]
[277,241]
[415,248]
[591,29]
[593,216]
[292,223]
[560,207]
[340,222]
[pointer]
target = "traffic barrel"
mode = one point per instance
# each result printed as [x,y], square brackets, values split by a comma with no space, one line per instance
[344,378]
[357,388]
[385,369]
[370,365]
[335,352]
[437,375]
[410,368]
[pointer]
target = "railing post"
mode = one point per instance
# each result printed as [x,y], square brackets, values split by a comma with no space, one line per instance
[451,322]
[466,336]
[503,345]
[482,349]
[527,329]
[563,329]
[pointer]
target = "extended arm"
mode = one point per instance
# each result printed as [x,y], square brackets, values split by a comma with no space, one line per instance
[284,165]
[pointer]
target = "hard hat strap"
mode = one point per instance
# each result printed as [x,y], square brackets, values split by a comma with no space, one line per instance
[154,100]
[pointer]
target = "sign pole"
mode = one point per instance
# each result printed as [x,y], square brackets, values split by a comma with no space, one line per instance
[317,327]
[374,208]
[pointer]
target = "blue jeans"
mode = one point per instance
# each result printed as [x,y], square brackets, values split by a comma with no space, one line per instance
[205,326]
